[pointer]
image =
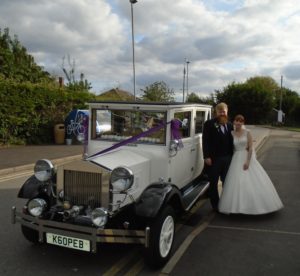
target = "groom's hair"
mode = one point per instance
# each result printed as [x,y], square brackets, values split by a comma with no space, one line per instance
[221,106]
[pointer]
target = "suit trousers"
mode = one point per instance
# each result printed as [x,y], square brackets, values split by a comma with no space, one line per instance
[218,169]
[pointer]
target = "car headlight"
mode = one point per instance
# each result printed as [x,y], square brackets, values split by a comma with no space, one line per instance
[36,206]
[99,217]
[43,170]
[121,179]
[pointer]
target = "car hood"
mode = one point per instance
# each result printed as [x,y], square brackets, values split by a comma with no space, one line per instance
[138,164]
[121,157]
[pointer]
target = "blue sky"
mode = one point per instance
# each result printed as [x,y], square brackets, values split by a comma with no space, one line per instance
[224,40]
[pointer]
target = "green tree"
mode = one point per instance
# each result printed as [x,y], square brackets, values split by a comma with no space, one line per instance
[158,92]
[296,113]
[193,98]
[73,84]
[17,64]
[263,83]
[258,97]
[289,104]
[252,99]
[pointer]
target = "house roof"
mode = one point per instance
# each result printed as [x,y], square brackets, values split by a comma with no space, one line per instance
[116,94]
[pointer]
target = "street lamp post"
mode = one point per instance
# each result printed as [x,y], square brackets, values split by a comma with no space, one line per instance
[280,112]
[183,84]
[132,35]
[280,103]
[187,78]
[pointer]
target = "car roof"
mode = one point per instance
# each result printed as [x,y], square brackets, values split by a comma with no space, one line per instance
[165,105]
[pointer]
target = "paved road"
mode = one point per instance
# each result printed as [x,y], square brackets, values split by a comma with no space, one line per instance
[255,245]
[220,245]
[20,158]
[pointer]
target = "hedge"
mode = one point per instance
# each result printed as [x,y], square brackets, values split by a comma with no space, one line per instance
[28,112]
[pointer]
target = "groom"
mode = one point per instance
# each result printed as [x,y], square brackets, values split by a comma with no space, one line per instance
[217,144]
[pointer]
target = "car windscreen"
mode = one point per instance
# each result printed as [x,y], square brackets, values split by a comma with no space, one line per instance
[119,125]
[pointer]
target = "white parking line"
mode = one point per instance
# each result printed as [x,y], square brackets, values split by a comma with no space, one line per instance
[138,266]
[184,246]
[15,175]
[136,269]
[119,265]
[254,229]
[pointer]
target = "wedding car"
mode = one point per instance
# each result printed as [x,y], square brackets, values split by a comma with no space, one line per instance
[141,169]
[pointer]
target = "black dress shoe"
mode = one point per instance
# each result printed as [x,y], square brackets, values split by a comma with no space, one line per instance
[216,209]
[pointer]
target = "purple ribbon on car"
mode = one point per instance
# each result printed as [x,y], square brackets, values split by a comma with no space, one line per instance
[85,124]
[175,134]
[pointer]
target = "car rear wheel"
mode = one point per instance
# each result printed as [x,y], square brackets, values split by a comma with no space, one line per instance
[162,231]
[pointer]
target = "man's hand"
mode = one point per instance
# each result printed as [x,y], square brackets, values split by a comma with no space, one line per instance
[208,161]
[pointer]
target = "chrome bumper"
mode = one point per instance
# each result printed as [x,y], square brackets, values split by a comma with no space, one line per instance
[94,235]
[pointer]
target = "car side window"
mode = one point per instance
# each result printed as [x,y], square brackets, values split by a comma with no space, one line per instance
[200,118]
[185,123]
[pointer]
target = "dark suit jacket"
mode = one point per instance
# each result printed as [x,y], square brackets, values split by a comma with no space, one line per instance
[214,142]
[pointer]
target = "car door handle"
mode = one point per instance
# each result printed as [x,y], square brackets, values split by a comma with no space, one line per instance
[193,150]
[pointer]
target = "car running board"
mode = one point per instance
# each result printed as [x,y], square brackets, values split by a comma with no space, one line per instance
[192,194]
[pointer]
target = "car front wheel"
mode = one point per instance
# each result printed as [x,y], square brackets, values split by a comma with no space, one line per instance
[162,231]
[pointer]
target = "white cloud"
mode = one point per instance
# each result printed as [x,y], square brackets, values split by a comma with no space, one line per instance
[224,40]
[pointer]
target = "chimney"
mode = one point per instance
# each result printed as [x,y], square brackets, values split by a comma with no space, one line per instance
[61,81]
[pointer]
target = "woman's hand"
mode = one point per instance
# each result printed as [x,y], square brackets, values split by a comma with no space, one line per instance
[246,166]
[208,161]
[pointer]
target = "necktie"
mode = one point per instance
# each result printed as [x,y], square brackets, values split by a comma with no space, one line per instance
[223,129]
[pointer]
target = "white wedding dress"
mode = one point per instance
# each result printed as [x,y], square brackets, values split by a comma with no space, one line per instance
[247,191]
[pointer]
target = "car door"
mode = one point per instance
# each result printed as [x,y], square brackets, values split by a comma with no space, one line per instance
[181,164]
[200,118]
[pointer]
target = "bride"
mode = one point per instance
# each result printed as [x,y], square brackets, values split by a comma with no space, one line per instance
[247,188]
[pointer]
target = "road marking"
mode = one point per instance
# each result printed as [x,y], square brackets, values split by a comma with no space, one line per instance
[196,207]
[136,269]
[183,247]
[121,263]
[254,229]
[12,181]
[15,175]
[139,265]
[199,204]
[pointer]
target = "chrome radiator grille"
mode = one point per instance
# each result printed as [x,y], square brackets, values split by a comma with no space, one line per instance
[83,188]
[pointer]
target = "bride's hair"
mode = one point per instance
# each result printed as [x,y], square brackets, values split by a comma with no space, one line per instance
[239,118]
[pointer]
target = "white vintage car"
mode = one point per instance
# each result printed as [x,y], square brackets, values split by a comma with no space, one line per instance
[140,172]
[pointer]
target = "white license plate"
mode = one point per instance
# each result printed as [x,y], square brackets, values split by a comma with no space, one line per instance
[69,242]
